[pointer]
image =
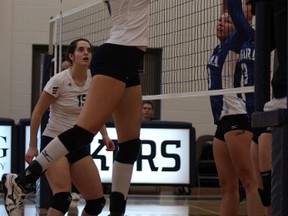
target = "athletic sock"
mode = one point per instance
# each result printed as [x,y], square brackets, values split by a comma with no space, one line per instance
[121,177]
[52,152]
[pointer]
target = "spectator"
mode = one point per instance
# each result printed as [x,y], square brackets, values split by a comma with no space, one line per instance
[147,111]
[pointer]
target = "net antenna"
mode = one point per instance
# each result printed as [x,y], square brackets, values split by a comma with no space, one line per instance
[60,38]
[182,37]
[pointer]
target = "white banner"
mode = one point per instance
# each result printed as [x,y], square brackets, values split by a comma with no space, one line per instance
[164,158]
[5,148]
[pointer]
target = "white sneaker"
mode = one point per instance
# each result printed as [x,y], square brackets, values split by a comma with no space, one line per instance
[13,195]
[75,196]
[275,104]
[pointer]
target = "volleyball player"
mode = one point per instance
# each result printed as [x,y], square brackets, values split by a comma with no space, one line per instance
[115,89]
[261,150]
[65,95]
[231,144]
[74,194]
[262,139]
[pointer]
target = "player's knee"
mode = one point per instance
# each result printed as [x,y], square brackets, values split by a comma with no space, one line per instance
[61,201]
[94,207]
[76,137]
[128,151]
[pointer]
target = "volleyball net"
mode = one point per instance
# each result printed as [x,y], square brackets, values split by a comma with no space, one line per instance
[182,36]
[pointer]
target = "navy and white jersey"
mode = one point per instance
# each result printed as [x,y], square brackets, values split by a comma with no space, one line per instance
[222,75]
[70,99]
[247,52]
[246,63]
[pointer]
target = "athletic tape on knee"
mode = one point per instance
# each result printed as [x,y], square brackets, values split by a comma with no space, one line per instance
[61,201]
[94,207]
[128,151]
[76,137]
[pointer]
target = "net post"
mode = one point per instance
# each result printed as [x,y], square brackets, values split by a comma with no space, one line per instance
[278,119]
[284,141]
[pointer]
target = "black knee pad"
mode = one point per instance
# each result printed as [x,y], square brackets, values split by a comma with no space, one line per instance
[265,194]
[117,204]
[75,138]
[75,156]
[94,207]
[61,201]
[128,151]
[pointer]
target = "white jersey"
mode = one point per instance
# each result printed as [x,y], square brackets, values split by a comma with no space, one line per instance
[70,99]
[130,22]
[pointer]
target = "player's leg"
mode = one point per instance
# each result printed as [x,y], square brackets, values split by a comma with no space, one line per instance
[58,176]
[96,111]
[228,179]
[127,118]
[255,158]
[238,143]
[17,186]
[265,164]
[104,95]
[85,177]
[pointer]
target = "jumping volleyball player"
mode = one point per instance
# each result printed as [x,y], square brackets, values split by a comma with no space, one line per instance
[115,90]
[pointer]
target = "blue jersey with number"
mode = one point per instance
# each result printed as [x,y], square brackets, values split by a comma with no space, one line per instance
[226,64]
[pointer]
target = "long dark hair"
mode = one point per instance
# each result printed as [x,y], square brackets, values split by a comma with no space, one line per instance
[72,47]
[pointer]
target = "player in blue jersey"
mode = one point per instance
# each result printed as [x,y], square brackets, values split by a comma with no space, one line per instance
[231,144]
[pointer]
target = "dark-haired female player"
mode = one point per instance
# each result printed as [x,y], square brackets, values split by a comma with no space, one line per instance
[65,95]
[231,144]
[115,90]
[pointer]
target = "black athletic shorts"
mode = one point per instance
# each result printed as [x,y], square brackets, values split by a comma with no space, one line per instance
[258,131]
[72,156]
[232,122]
[118,61]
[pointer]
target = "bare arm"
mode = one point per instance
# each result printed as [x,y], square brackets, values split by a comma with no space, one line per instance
[240,21]
[224,6]
[42,105]
[107,141]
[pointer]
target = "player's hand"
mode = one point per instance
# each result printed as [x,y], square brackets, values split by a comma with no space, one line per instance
[30,154]
[110,146]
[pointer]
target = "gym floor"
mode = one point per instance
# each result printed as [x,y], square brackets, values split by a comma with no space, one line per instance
[165,202]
